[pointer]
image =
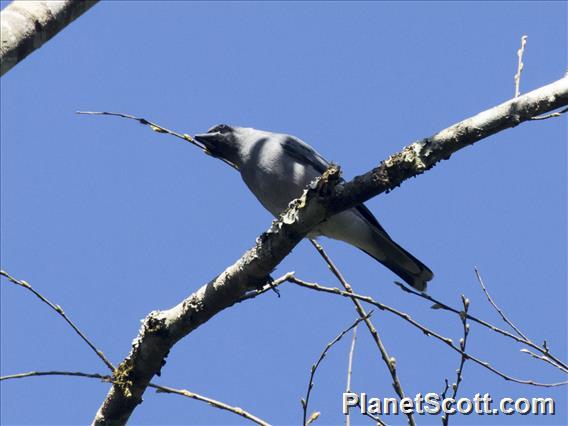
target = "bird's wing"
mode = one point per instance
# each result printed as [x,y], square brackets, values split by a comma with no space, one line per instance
[305,154]
[366,213]
[384,249]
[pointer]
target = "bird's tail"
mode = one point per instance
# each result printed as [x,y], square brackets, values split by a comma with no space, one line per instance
[401,262]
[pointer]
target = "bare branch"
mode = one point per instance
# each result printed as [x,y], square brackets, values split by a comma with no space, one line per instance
[270,286]
[501,313]
[428,332]
[520,65]
[459,371]
[159,388]
[389,361]
[551,115]
[27,25]
[441,305]
[104,378]
[156,128]
[60,311]
[305,401]
[446,387]
[322,199]
[214,403]
[544,358]
[350,370]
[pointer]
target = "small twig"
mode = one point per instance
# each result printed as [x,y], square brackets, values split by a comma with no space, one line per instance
[305,401]
[157,128]
[268,287]
[520,65]
[441,305]
[463,359]
[501,313]
[313,417]
[104,378]
[389,361]
[350,371]
[544,358]
[551,115]
[424,329]
[463,344]
[446,387]
[60,311]
[214,403]
[159,388]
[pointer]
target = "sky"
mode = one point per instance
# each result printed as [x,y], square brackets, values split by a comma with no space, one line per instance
[111,220]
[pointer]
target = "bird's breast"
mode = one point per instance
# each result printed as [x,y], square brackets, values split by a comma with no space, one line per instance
[276,183]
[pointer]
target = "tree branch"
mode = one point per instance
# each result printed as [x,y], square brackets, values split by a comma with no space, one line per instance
[213,402]
[305,401]
[463,358]
[545,350]
[323,198]
[60,311]
[389,361]
[27,25]
[520,66]
[350,371]
[499,311]
[427,331]
[159,389]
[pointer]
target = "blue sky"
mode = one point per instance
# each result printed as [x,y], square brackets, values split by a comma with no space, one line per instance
[111,220]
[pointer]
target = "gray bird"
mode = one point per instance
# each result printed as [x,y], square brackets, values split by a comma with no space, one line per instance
[277,167]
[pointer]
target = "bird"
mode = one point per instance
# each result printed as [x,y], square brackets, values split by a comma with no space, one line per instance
[277,167]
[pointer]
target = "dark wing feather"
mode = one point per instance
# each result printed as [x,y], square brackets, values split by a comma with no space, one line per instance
[305,154]
[366,213]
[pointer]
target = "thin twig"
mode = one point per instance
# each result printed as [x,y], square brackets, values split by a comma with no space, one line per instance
[305,401]
[104,378]
[313,417]
[388,360]
[268,287]
[547,357]
[441,305]
[543,358]
[446,387]
[350,371]
[520,66]
[157,128]
[60,311]
[551,115]
[214,403]
[463,359]
[159,388]
[501,313]
[424,329]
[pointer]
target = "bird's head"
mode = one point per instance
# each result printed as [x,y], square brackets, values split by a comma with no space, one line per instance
[222,141]
[230,143]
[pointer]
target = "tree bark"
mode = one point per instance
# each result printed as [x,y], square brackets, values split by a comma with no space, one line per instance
[27,25]
[324,198]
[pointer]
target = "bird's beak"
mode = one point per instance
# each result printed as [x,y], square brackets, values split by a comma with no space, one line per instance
[213,146]
[208,141]
[206,138]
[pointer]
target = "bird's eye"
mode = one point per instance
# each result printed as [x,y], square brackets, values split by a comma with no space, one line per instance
[220,128]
